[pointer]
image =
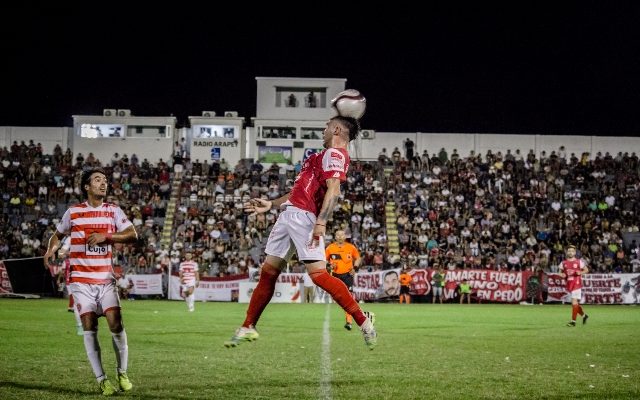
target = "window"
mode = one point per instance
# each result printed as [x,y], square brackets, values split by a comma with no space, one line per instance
[301,97]
[311,133]
[148,131]
[278,132]
[93,131]
[215,131]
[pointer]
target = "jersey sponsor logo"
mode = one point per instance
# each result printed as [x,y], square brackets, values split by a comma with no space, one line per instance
[337,155]
[96,250]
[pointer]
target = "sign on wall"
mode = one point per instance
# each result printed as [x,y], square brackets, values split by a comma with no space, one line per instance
[216,149]
[274,154]
[309,151]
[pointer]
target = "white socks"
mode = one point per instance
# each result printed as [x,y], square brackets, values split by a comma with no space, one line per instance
[121,348]
[77,315]
[92,347]
[191,302]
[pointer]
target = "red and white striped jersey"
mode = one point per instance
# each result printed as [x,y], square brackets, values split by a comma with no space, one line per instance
[188,271]
[91,264]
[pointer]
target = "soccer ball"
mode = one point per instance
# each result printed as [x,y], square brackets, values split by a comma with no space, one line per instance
[349,103]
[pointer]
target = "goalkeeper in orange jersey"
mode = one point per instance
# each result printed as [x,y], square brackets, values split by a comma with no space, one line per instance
[342,256]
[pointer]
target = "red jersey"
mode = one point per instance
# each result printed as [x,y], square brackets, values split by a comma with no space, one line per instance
[310,184]
[571,269]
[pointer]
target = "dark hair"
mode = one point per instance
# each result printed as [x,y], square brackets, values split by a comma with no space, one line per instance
[352,124]
[86,177]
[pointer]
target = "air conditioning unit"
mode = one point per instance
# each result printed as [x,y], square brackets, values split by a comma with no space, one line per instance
[208,114]
[124,113]
[109,112]
[368,134]
[232,114]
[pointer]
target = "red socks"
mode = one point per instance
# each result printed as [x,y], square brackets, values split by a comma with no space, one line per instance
[262,294]
[575,310]
[338,290]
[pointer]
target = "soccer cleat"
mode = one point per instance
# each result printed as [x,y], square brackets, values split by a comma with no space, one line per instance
[369,331]
[347,326]
[571,323]
[124,382]
[371,316]
[584,319]
[107,388]
[242,335]
[79,330]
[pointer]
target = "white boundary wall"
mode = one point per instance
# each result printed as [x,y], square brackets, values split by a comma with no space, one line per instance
[362,149]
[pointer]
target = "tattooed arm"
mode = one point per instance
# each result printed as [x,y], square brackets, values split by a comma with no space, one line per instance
[328,204]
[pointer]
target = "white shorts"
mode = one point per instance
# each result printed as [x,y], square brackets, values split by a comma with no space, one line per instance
[185,288]
[576,294]
[294,225]
[97,298]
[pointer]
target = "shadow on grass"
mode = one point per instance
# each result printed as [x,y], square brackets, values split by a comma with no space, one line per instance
[46,388]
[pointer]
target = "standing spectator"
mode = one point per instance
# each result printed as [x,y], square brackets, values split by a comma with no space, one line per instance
[309,288]
[408,149]
[465,291]
[311,100]
[438,280]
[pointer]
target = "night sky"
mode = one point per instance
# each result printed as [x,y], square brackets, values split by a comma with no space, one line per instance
[556,69]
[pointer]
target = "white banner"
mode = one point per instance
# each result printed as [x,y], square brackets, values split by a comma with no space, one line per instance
[209,289]
[598,289]
[370,286]
[146,284]
[284,293]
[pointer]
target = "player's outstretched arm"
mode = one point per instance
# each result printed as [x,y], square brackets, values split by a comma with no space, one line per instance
[259,206]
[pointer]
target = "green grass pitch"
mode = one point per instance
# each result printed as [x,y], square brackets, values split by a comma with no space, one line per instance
[424,351]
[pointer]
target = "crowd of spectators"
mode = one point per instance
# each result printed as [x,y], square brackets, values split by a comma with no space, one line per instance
[515,212]
[497,211]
